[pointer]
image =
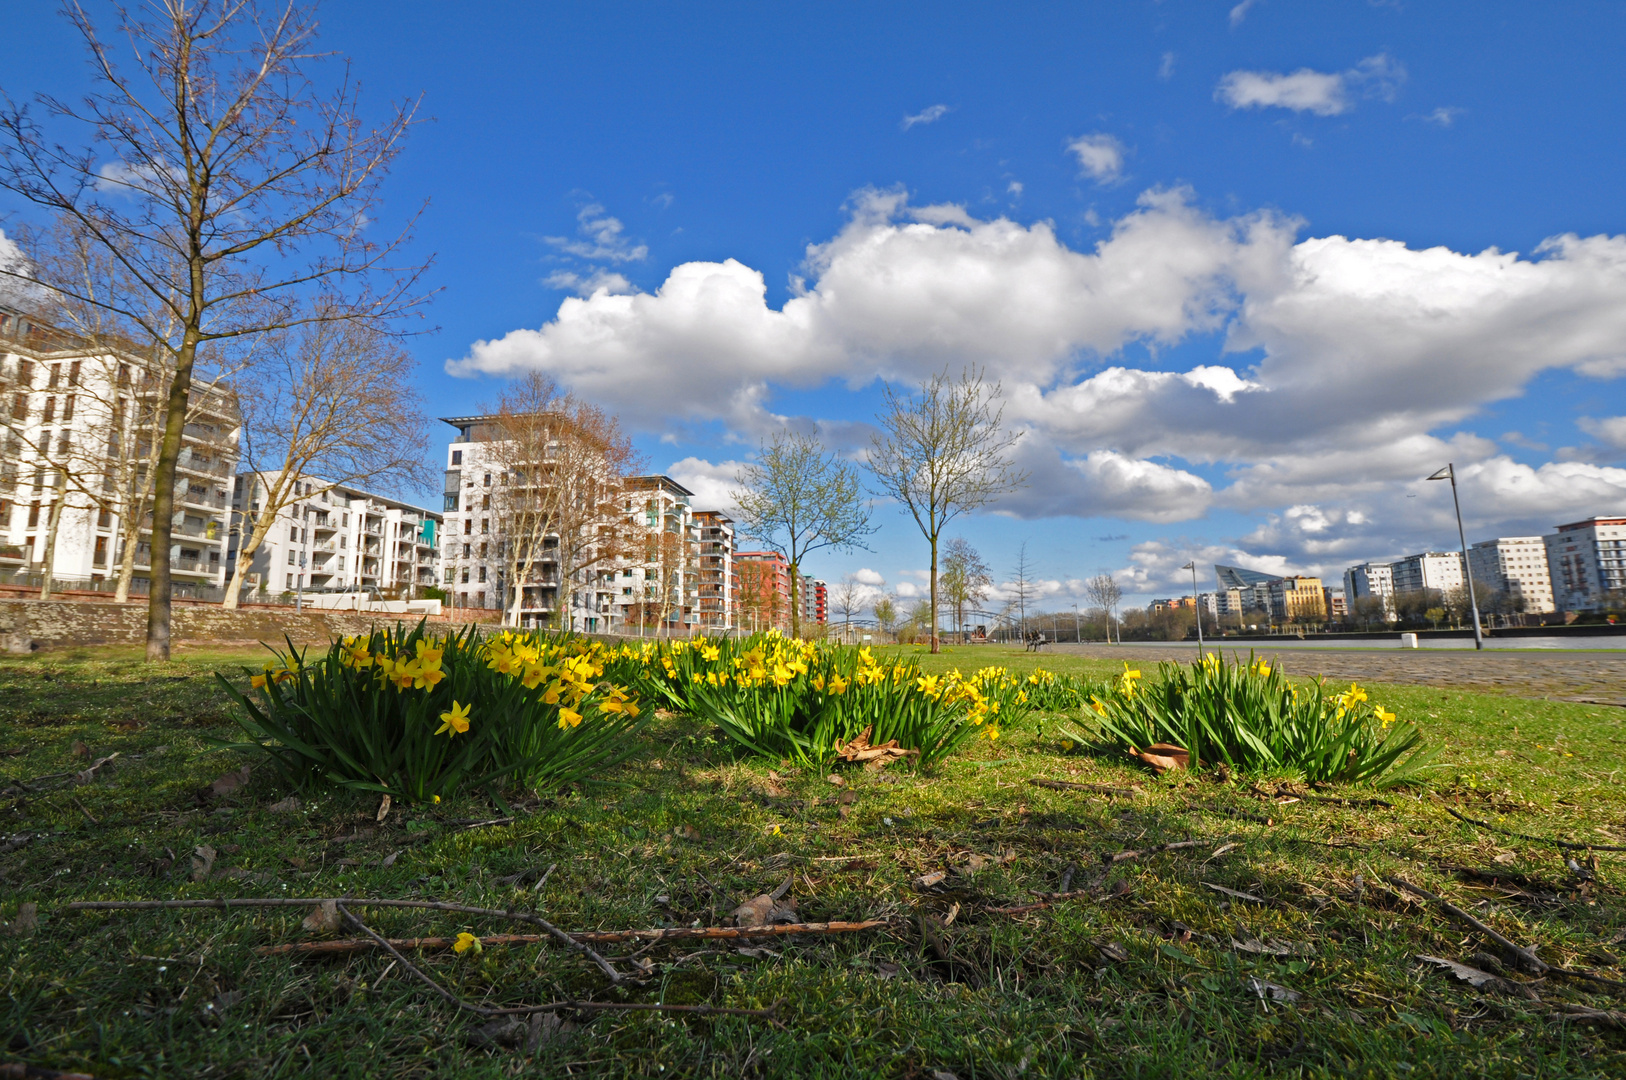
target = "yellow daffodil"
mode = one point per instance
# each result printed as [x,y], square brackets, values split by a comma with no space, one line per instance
[455,722]
[466,941]
[569,718]
[711,654]
[1385,715]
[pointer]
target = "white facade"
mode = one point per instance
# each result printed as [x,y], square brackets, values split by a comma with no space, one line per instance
[336,539]
[687,587]
[1437,570]
[1587,563]
[1370,580]
[1516,566]
[61,408]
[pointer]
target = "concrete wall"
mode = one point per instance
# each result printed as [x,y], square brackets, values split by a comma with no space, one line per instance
[28,625]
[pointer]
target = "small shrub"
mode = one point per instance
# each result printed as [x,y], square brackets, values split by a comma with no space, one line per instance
[1248,716]
[421,717]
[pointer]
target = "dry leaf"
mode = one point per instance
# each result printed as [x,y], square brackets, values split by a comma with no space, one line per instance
[763,910]
[389,860]
[27,919]
[1163,757]
[1269,991]
[290,805]
[224,785]
[323,919]
[1111,950]
[927,881]
[90,774]
[943,1074]
[80,749]
[1506,857]
[383,809]
[887,970]
[1272,947]
[834,779]
[847,798]
[296,862]
[859,750]
[1475,977]
[203,861]
[687,832]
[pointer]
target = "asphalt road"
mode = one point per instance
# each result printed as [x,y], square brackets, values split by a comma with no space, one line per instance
[1592,675]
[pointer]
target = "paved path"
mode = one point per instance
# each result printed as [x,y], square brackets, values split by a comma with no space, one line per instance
[1593,676]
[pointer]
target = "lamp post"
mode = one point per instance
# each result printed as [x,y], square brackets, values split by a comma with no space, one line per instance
[1078,635]
[1450,473]
[1192,566]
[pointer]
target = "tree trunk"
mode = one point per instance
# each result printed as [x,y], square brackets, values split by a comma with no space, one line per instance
[163,498]
[795,608]
[129,533]
[234,587]
[49,557]
[936,648]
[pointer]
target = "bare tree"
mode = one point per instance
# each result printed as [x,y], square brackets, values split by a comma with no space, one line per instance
[563,467]
[886,614]
[1022,586]
[944,453]
[1105,592]
[225,185]
[797,498]
[966,578]
[847,600]
[332,400]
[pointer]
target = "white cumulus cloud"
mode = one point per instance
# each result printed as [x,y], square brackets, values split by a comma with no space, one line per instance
[1306,90]
[929,115]
[1100,156]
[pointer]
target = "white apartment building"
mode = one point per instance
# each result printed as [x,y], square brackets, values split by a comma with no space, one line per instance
[1517,567]
[1437,570]
[684,586]
[1370,579]
[335,538]
[1587,563]
[70,418]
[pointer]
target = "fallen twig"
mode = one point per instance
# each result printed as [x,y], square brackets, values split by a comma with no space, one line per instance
[429,905]
[1049,900]
[525,1010]
[1226,811]
[597,937]
[1122,856]
[1068,785]
[1338,800]
[1528,957]
[90,774]
[1538,839]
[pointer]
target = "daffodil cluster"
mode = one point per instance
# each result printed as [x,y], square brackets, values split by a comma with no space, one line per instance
[420,715]
[1250,717]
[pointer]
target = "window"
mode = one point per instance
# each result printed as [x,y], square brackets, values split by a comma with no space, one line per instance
[488,479]
[457,457]
[19,407]
[34,515]
[25,372]
[73,373]
[291,561]
[485,525]
[104,520]
[50,410]
[465,551]
[55,377]
[482,573]
[482,551]
[485,502]
[67,408]
[468,527]
[465,575]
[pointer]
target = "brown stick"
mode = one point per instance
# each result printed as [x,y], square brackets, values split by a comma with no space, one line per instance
[1122,856]
[554,1006]
[1068,785]
[1049,899]
[1533,962]
[599,937]
[1227,811]
[1538,839]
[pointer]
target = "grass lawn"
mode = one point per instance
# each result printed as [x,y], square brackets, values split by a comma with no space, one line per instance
[1313,972]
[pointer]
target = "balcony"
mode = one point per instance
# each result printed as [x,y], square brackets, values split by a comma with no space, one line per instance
[210,530]
[215,500]
[13,553]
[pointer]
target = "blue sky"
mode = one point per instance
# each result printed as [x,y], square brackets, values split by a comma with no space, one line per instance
[1231,261]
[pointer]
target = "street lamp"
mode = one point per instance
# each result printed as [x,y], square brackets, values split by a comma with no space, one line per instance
[1450,473]
[1077,627]
[1192,566]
